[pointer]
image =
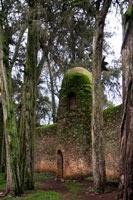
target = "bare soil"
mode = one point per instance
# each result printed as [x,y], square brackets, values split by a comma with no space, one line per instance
[85,192]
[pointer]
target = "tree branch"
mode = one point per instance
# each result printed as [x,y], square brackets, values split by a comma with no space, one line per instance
[24,26]
[40,66]
[104,10]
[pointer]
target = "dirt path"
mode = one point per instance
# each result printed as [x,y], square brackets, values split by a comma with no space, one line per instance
[77,190]
[48,188]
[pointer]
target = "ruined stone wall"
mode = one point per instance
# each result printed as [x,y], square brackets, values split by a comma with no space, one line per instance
[45,148]
[112,123]
[65,148]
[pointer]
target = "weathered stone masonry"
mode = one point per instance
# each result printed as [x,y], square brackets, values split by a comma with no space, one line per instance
[65,148]
[74,121]
[45,148]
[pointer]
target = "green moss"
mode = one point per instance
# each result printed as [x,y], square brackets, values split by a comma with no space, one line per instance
[111,111]
[77,76]
[41,128]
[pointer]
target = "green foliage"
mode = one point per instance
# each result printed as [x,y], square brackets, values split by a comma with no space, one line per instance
[130,12]
[72,186]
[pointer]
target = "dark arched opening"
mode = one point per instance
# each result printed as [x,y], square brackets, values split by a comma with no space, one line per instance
[59,165]
[72,101]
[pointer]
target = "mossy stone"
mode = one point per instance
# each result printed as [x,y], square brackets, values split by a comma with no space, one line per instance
[77,76]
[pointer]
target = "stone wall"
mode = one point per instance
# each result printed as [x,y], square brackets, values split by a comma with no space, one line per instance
[45,149]
[112,123]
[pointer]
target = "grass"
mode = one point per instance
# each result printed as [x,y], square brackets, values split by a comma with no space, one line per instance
[90,178]
[39,195]
[44,175]
[71,186]
[38,183]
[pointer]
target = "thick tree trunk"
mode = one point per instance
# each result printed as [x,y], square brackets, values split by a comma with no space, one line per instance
[27,122]
[10,128]
[98,160]
[125,191]
[1,138]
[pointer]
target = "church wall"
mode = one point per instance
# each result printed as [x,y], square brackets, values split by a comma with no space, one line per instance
[112,123]
[45,148]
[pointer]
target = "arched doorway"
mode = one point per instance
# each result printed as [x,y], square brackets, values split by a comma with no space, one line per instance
[59,165]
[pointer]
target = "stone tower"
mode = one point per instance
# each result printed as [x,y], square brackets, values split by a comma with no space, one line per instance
[74,124]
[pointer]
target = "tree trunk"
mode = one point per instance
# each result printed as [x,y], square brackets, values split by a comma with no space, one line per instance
[98,160]
[10,128]
[27,122]
[125,191]
[1,138]
[52,94]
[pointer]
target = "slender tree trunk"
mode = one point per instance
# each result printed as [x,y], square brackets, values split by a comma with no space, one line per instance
[98,160]
[52,94]
[10,128]
[27,122]
[125,191]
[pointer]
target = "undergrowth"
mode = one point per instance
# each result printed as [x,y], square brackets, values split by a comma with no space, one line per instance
[71,186]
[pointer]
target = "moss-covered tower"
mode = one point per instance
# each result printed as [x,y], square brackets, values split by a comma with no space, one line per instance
[74,124]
